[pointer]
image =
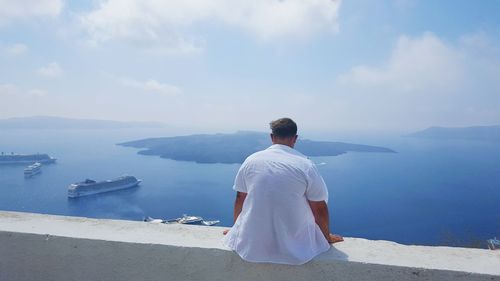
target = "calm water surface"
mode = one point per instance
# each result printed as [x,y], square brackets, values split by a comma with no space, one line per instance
[426,193]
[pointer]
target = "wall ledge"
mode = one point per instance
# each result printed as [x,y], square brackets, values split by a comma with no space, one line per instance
[149,251]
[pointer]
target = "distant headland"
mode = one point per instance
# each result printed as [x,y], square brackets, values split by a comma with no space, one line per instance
[483,133]
[234,148]
[61,123]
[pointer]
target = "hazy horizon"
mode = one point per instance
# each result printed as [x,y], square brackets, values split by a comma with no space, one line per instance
[171,130]
[222,66]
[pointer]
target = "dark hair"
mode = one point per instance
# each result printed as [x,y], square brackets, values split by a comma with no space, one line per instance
[283,127]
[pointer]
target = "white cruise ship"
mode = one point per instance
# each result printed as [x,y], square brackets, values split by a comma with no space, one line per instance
[32,169]
[89,187]
[14,158]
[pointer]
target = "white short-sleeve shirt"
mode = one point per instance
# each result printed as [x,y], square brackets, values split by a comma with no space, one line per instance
[276,223]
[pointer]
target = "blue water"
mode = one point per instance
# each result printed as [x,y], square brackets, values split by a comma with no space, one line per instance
[426,192]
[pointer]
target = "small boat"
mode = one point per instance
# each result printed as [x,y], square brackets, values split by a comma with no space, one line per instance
[152,220]
[185,219]
[33,169]
[210,223]
[493,244]
[190,219]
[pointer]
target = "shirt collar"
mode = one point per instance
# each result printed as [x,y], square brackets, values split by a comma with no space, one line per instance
[287,149]
[281,146]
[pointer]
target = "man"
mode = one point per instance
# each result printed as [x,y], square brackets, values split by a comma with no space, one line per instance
[280,211]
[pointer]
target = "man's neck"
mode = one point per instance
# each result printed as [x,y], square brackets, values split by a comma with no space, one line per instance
[288,141]
[289,144]
[283,144]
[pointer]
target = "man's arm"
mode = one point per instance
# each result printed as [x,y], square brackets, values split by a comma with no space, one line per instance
[321,216]
[238,205]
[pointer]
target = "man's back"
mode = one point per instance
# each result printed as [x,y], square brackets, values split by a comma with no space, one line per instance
[276,223]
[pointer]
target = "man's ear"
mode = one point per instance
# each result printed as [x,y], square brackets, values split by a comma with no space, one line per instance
[272,137]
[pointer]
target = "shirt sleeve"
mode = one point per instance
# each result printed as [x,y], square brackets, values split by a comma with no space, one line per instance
[239,181]
[316,188]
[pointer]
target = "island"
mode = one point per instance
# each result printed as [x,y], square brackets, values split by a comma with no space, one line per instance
[482,133]
[234,148]
[62,123]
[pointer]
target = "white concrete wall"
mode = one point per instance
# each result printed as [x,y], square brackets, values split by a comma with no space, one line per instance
[42,247]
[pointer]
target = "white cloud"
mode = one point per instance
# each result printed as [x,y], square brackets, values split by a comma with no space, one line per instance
[24,9]
[179,46]
[15,49]
[154,86]
[11,90]
[425,81]
[8,89]
[151,86]
[37,92]
[21,101]
[415,65]
[275,19]
[168,22]
[52,70]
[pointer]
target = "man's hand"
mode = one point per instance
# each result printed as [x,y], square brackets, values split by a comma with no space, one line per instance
[320,212]
[334,238]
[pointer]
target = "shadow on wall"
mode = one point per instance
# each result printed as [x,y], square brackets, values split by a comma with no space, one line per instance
[334,254]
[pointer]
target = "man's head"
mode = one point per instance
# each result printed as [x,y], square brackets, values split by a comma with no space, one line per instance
[284,131]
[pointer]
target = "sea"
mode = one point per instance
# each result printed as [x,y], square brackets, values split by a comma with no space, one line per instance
[431,192]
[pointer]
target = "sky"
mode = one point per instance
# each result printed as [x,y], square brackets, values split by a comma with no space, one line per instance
[392,65]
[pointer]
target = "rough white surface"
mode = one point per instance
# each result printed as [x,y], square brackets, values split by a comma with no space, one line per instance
[14,225]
